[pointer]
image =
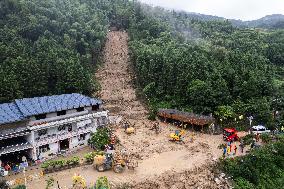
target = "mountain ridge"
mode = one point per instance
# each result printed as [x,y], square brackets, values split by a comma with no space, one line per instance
[273,21]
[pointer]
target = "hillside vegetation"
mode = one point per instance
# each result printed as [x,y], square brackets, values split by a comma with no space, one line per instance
[48,47]
[207,66]
[263,168]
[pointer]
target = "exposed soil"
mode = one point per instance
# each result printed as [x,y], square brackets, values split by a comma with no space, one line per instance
[162,164]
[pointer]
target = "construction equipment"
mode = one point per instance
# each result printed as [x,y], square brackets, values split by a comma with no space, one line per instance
[177,135]
[128,129]
[113,161]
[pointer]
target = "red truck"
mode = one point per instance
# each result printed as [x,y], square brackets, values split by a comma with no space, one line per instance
[230,134]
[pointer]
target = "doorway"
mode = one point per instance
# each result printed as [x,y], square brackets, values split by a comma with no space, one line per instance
[64,144]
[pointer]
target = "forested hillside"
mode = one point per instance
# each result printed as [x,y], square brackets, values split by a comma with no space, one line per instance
[46,47]
[207,66]
[50,47]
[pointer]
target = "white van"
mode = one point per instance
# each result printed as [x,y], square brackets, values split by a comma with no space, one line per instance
[259,129]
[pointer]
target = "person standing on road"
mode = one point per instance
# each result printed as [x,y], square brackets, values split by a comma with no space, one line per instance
[242,146]
[224,150]
[228,149]
[235,149]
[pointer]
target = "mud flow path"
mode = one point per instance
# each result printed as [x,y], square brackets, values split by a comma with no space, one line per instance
[162,164]
[115,79]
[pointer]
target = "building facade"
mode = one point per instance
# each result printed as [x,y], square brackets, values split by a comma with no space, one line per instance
[44,126]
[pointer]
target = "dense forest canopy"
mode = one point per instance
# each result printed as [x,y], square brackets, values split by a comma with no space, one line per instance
[204,66]
[207,66]
[46,47]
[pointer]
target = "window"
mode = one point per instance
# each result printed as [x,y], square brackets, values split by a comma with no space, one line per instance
[42,132]
[44,148]
[80,109]
[96,107]
[69,127]
[40,116]
[61,127]
[60,113]
[82,136]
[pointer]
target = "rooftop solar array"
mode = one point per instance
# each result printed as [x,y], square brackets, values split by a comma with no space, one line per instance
[26,107]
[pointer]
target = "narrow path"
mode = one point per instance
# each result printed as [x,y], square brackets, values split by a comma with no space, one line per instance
[117,91]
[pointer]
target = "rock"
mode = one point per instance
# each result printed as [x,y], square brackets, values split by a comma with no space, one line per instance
[222,175]
[217,180]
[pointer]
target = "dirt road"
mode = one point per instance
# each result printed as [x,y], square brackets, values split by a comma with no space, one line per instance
[162,164]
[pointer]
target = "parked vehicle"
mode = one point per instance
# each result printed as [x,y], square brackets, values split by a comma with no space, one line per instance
[230,134]
[258,129]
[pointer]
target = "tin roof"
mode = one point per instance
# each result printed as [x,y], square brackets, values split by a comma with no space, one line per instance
[26,107]
[186,117]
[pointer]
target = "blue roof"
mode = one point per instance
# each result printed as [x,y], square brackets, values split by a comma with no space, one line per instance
[26,107]
[9,112]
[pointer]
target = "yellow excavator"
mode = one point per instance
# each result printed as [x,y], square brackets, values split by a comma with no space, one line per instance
[177,136]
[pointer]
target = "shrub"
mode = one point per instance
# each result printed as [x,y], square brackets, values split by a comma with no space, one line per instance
[263,168]
[102,183]
[20,187]
[248,139]
[60,163]
[265,137]
[243,184]
[89,157]
[74,161]
[49,182]
[100,138]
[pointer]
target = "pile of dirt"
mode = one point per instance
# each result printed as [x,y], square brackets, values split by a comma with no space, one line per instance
[116,81]
[202,177]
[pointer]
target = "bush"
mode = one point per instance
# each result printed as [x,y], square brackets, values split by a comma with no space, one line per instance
[89,157]
[243,184]
[20,187]
[263,168]
[60,163]
[74,161]
[102,183]
[100,138]
[265,137]
[248,139]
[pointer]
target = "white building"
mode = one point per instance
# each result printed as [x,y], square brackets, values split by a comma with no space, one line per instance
[43,126]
